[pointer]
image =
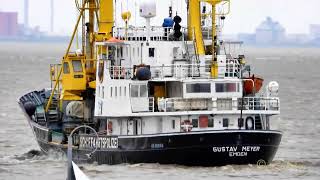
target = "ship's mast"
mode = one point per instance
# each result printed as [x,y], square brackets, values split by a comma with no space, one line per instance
[214,65]
[194,26]
[195,31]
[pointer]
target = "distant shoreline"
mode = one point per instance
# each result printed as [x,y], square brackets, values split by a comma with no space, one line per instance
[65,40]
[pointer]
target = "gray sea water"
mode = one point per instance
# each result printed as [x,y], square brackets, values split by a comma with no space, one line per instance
[25,66]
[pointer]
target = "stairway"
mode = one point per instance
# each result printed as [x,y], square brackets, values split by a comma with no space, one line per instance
[40,116]
[53,114]
[194,71]
[257,122]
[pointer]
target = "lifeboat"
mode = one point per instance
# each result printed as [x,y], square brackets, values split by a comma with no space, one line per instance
[250,87]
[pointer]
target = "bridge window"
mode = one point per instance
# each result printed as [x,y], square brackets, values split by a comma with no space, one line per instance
[77,66]
[173,124]
[139,90]
[199,88]
[143,91]
[227,87]
[135,91]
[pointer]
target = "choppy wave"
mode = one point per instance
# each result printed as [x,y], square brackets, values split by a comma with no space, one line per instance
[33,156]
[29,155]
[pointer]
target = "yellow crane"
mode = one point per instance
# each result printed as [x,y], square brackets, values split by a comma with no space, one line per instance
[77,73]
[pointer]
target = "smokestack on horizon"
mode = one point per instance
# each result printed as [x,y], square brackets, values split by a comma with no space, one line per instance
[26,13]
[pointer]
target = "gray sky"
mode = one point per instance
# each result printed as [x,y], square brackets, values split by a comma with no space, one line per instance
[294,15]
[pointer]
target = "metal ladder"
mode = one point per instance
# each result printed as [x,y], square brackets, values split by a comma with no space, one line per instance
[53,114]
[193,71]
[257,122]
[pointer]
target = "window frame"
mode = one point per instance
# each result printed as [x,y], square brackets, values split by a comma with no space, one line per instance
[193,120]
[225,87]
[77,68]
[66,68]
[138,93]
[198,88]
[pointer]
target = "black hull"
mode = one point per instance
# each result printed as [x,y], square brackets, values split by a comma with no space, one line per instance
[197,149]
[203,148]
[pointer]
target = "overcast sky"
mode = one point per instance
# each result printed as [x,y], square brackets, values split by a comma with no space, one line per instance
[294,15]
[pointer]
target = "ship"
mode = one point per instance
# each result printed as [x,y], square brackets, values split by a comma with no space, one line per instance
[163,94]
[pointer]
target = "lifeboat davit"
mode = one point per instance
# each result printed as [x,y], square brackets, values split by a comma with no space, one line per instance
[250,87]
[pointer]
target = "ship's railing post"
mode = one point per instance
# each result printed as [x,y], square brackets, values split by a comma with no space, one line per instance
[69,151]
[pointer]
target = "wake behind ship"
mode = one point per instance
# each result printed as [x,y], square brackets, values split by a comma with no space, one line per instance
[155,94]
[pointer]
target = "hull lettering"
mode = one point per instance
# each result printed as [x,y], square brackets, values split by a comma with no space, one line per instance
[236,151]
[90,142]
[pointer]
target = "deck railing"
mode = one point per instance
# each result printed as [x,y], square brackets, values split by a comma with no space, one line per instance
[177,71]
[219,104]
[259,103]
[156,33]
[54,75]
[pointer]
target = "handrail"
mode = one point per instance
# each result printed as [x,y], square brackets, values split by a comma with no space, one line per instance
[220,104]
[180,71]
[138,33]
[66,54]
[260,103]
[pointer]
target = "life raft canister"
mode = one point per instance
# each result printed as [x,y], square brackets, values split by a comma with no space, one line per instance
[186,126]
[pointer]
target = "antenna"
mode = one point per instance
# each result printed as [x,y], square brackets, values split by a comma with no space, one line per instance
[170,10]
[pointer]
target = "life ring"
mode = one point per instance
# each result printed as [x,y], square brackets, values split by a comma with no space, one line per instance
[249,123]
[186,126]
[118,72]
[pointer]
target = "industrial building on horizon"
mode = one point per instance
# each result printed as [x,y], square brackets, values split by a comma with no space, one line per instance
[11,30]
[267,33]
[272,33]
[8,24]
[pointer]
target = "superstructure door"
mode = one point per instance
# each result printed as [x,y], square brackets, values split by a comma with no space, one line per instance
[140,102]
[134,126]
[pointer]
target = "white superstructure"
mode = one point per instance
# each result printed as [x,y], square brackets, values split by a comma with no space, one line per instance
[180,89]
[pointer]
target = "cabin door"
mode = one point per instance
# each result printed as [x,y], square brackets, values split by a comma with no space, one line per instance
[134,126]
